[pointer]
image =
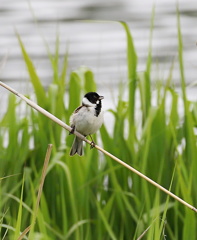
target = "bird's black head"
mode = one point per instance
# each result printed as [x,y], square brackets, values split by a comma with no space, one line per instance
[93,97]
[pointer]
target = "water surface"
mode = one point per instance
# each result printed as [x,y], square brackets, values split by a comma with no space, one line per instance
[99,45]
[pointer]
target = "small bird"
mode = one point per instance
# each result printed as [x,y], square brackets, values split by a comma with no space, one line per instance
[86,119]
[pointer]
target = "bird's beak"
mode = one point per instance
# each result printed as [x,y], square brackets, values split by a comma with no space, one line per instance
[101,97]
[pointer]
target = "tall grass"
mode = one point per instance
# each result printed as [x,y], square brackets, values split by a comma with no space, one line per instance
[91,197]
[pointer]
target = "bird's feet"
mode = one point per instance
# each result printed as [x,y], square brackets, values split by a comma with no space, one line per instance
[92,144]
[72,130]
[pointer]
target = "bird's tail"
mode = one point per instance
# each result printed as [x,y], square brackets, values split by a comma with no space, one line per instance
[77,147]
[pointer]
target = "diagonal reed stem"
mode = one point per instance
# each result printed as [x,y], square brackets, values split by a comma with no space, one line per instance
[68,128]
[44,171]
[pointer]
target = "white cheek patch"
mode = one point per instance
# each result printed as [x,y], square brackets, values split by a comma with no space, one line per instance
[97,102]
[87,103]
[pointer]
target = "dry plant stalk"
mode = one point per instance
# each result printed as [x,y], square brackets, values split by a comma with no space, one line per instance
[44,170]
[68,128]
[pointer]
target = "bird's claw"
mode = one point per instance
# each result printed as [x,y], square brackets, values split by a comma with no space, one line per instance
[92,144]
[72,130]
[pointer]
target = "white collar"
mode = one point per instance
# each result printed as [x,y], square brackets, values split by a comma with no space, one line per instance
[87,103]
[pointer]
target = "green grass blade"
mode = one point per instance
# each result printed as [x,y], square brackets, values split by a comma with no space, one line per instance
[38,88]
[191,148]
[108,227]
[19,218]
[132,74]
[147,74]
[89,84]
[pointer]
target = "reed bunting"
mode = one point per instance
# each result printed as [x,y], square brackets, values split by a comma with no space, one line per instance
[86,119]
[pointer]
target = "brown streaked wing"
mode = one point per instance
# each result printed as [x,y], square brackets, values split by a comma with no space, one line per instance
[77,109]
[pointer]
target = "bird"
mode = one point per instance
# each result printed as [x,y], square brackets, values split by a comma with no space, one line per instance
[86,119]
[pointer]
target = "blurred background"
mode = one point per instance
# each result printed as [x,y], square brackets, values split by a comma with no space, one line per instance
[93,196]
[101,46]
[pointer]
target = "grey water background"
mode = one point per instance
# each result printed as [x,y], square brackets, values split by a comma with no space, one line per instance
[99,45]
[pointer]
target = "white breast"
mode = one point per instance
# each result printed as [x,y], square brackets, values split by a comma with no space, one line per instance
[85,121]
